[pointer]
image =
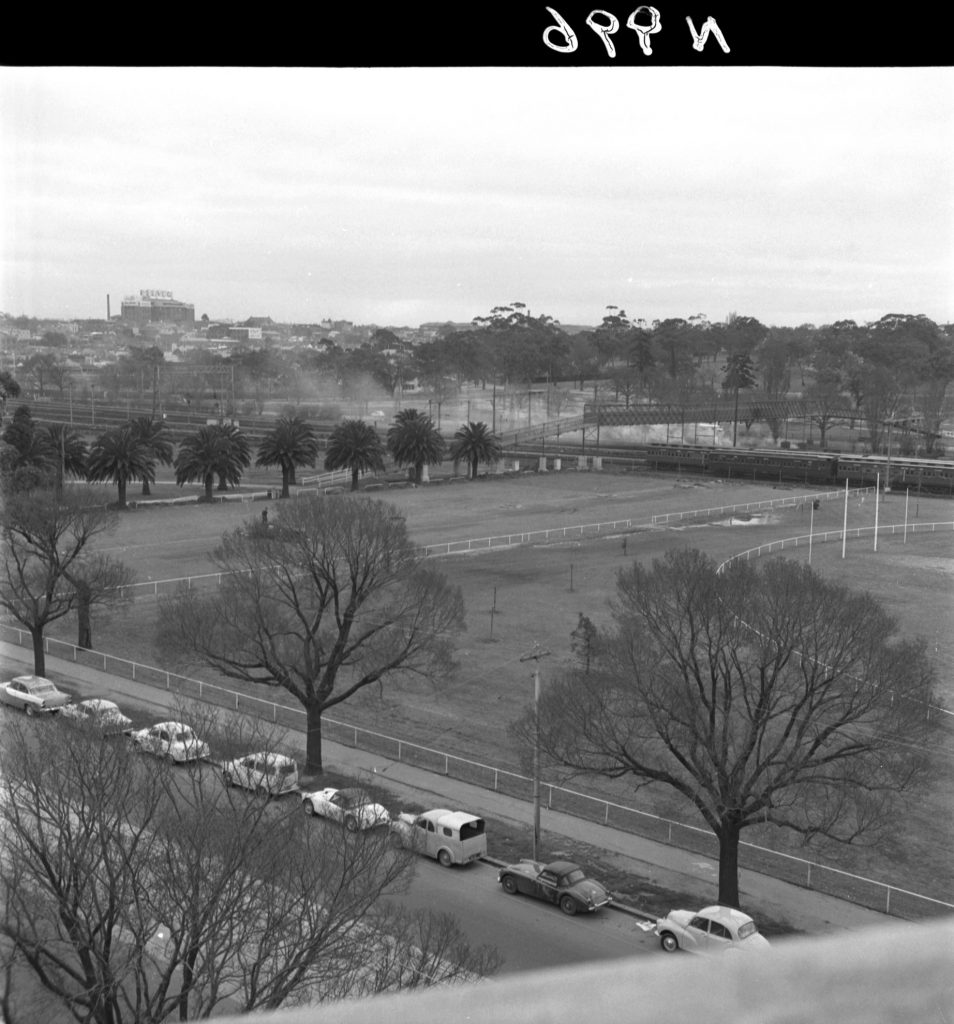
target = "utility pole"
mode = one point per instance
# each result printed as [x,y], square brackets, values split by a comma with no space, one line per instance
[535,655]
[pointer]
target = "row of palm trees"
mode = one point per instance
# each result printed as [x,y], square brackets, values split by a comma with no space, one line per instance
[412,441]
[221,452]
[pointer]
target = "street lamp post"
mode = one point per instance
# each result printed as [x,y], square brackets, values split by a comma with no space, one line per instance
[535,657]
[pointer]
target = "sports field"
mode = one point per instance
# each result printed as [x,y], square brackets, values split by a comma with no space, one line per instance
[533,594]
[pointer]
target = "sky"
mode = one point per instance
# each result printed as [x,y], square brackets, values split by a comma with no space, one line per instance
[398,196]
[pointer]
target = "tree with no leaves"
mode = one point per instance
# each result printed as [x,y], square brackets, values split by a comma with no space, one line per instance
[136,891]
[48,569]
[355,445]
[335,598]
[475,443]
[762,694]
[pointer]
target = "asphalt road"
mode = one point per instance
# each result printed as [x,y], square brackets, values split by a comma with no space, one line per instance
[528,933]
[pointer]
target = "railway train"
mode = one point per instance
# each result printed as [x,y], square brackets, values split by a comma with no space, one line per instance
[816,469]
[821,468]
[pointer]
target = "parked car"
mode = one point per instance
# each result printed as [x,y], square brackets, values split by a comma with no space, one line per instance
[352,807]
[33,694]
[172,740]
[452,837]
[267,773]
[709,931]
[98,713]
[561,882]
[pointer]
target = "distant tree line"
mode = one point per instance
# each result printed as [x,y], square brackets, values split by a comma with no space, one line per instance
[898,365]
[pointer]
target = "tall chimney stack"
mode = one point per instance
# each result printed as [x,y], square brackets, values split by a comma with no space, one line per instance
[107,305]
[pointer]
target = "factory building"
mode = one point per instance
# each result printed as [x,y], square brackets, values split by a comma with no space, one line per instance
[152,306]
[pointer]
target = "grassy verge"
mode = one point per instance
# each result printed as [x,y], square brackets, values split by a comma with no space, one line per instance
[536,593]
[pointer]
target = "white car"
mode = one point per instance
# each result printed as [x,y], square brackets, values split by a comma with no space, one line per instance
[351,807]
[451,837]
[268,773]
[98,713]
[709,931]
[172,740]
[33,694]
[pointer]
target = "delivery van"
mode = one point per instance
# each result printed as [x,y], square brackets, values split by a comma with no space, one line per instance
[450,837]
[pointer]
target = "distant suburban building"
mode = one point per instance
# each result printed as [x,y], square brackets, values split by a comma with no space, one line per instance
[244,333]
[153,306]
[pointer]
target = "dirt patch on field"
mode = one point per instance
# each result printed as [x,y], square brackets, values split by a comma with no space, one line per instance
[528,594]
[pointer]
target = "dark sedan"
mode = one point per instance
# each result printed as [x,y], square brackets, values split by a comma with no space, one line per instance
[561,882]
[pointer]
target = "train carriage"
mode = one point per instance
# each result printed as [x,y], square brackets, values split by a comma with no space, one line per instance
[899,473]
[677,456]
[804,467]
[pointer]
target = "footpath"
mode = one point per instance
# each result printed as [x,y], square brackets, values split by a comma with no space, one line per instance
[665,866]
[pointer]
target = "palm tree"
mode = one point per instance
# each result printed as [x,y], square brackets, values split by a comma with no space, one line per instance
[119,456]
[154,436]
[291,442]
[239,456]
[475,443]
[355,445]
[33,446]
[70,452]
[212,451]
[414,441]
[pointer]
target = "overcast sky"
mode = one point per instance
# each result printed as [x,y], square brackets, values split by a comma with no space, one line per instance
[399,196]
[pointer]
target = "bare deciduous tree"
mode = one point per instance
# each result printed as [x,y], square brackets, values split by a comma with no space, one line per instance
[48,568]
[761,695]
[330,601]
[136,891]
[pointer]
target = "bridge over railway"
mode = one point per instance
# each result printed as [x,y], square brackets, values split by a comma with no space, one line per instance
[100,416]
[715,411]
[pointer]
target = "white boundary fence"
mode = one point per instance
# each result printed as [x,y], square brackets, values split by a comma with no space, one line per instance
[831,535]
[509,540]
[755,506]
[882,896]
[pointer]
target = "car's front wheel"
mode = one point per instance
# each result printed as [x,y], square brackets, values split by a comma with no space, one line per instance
[28,708]
[509,884]
[668,942]
[351,823]
[309,808]
[445,859]
[568,905]
[227,779]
